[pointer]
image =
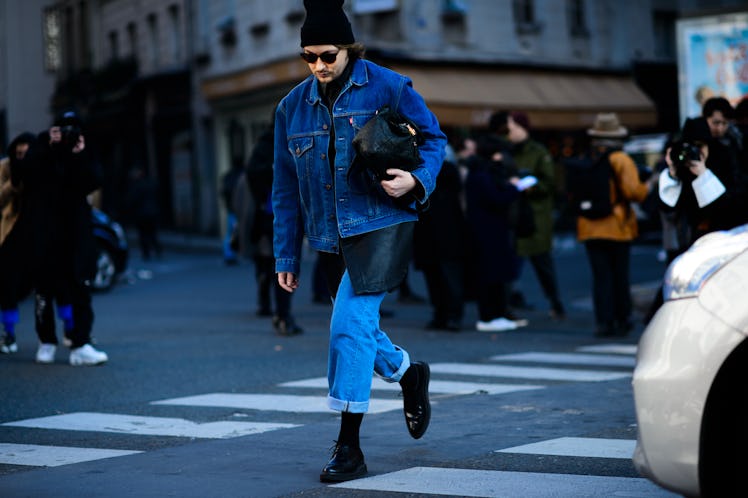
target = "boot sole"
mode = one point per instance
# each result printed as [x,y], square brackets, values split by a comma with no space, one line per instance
[348,476]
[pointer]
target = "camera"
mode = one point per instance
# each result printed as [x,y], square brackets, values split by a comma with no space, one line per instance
[681,154]
[70,135]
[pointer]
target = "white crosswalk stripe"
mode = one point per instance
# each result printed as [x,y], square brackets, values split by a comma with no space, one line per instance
[626,349]
[435,386]
[536,373]
[146,426]
[274,402]
[492,483]
[53,456]
[578,447]
[569,359]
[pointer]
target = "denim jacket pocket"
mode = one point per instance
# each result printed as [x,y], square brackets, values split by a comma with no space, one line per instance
[298,146]
[301,149]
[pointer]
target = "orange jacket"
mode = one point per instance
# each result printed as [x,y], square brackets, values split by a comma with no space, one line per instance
[8,200]
[621,223]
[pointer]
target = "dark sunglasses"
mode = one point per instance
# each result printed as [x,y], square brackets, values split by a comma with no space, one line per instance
[327,57]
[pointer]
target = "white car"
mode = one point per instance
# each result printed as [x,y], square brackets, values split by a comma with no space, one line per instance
[691,377]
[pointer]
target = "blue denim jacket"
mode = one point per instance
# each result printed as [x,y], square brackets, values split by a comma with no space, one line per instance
[306,199]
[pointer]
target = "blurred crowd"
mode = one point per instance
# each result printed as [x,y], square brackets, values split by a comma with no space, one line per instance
[491,217]
[495,207]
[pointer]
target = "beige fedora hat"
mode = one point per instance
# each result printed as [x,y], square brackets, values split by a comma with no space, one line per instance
[607,124]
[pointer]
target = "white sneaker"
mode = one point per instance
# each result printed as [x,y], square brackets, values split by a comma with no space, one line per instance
[46,353]
[496,325]
[8,345]
[87,355]
[9,348]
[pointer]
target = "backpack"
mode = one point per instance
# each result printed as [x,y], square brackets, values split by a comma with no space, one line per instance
[588,186]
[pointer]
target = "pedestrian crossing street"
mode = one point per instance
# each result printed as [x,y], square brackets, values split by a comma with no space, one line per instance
[529,371]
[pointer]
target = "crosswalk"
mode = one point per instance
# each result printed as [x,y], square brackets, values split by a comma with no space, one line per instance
[498,375]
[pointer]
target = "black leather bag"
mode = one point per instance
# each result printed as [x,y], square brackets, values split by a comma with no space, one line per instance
[388,140]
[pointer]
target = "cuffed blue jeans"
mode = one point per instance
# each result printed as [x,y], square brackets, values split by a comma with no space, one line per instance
[359,347]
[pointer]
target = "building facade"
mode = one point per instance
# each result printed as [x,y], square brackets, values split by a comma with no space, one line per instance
[185,87]
[125,68]
[28,66]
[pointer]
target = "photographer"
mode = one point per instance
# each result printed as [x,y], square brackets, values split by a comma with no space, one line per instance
[707,192]
[58,175]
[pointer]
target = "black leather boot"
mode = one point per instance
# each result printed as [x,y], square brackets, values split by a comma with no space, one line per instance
[416,405]
[347,463]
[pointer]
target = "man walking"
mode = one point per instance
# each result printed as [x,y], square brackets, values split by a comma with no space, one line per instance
[361,226]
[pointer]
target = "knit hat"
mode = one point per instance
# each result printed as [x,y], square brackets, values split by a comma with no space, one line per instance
[521,119]
[325,24]
[68,118]
[497,122]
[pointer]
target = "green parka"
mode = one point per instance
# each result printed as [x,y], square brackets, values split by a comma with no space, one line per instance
[533,158]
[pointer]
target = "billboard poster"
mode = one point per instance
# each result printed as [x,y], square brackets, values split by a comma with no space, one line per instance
[712,60]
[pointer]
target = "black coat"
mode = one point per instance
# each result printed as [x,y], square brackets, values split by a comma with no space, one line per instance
[56,185]
[489,197]
[727,211]
[259,176]
[440,233]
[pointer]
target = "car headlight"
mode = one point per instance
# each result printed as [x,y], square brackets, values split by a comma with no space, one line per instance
[689,272]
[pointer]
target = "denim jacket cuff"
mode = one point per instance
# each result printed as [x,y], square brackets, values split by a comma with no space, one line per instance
[419,191]
[287,264]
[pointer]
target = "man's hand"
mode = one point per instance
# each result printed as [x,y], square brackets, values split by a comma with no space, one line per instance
[403,183]
[696,167]
[288,281]
[80,145]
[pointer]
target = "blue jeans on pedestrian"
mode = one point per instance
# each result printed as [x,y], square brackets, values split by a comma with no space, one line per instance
[359,347]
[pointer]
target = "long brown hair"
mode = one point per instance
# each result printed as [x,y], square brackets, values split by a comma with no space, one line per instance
[355,50]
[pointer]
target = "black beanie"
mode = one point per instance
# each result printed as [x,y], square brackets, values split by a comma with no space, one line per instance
[67,118]
[325,24]
[696,130]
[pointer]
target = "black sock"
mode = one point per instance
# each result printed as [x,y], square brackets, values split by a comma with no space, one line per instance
[349,427]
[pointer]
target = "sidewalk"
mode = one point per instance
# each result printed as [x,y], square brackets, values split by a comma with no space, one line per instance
[179,241]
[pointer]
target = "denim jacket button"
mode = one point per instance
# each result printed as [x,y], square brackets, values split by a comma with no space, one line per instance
[324,126]
[298,151]
[322,156]
[328,186]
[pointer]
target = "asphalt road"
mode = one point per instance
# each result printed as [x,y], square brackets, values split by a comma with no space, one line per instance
[200,398]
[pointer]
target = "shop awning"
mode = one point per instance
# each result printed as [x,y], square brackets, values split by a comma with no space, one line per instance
[461,96]
[467,96]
